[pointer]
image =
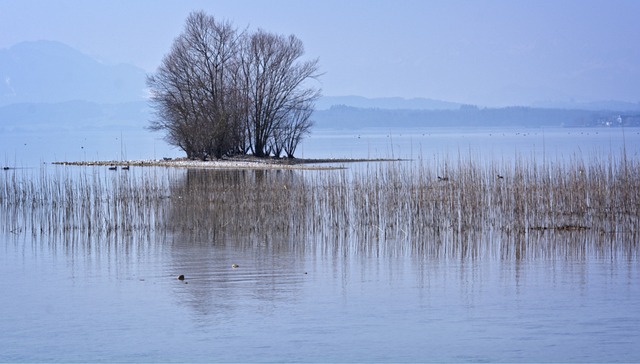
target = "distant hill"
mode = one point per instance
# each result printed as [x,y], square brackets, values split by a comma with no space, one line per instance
[74,115]
[346,117]
[326,102]
[595,106]
[47,85]
[49,72]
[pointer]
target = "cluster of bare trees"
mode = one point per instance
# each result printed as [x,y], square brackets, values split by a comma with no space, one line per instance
[220,92]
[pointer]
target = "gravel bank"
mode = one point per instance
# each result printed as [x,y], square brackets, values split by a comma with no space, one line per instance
[236,163]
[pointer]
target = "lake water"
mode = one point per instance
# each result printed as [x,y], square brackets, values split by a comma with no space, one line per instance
[547,297]
[29,149]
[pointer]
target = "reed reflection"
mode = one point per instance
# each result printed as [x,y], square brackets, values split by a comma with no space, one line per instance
[473,211]
[253,206]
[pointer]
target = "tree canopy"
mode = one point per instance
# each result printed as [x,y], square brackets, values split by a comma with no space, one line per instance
[221,92]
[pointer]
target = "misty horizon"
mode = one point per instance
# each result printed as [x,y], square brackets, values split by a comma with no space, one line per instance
[127,83]
[491,55]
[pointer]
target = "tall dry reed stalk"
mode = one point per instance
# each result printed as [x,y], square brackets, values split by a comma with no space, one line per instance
[442,207]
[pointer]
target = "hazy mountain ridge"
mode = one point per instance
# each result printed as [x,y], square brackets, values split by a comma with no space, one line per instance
[74,115]
[398,103]
[50,72]
[343,117]
[83,115]
[613,105]
[47,85]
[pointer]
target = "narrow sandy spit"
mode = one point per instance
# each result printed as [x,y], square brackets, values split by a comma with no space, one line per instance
[235,163]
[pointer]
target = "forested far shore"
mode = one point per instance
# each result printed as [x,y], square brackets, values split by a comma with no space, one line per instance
[341,116]
[135,115]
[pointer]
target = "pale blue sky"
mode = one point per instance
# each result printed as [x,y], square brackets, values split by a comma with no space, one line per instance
[490,53]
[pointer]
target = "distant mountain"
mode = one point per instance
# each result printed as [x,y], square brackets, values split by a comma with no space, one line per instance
[47,85]
[49,72]
[74,115]
[595,106]
[396,103]
[346,117]
[399,103]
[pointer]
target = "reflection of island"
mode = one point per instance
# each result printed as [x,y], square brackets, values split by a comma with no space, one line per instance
[243,217]
[267,276]
[251,206]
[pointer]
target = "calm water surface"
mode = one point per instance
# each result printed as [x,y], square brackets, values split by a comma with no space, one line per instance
[29,149]
[570,297]
[485,143]
[119,300]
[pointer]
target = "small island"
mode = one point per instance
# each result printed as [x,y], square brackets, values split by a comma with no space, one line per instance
[241,162]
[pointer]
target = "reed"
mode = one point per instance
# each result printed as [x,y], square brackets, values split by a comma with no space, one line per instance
[466,208]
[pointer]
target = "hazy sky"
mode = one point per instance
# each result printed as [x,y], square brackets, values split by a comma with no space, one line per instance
[490,53]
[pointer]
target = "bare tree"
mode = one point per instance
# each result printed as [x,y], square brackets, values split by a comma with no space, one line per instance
[192,88]
[176,105]
[274,78]
[220,92]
